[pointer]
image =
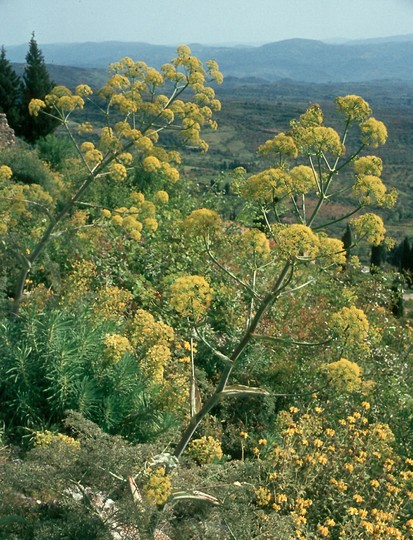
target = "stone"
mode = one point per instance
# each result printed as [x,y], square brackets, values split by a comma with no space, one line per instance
[7,137]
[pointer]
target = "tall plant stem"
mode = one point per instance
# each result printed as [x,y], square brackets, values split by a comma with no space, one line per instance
[214,399]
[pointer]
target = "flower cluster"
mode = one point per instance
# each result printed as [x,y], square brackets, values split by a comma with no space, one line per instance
[116,346]
[336,478]
[47,438]
[190,296]
[205,450]
[255,244]
[133,219]
[111,303]
[354,108]
[373,133]
[152,341]
[369,227]
[202,222]
[281,145]
[343,375]
[5,173]
[351,324]
[331,250]
[296,241]
[369,188]
[158,487]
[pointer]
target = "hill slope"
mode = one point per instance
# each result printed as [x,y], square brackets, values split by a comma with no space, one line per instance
[295,59]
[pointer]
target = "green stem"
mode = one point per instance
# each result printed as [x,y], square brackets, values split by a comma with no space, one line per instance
[239,349]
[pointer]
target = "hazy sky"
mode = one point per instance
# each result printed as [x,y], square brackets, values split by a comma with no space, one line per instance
[203,21]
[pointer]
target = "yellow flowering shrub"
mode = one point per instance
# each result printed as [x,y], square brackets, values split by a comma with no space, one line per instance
[190,296]
[47,438]
[336,478]
[205,450]
[138,104]
[158,487]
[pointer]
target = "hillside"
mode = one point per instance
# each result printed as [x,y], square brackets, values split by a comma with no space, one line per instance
[295,59]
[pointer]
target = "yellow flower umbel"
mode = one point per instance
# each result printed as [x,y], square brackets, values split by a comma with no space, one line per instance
[296,242]
[351,324]
[370,228]
[354,107]
[162,197]
[281,145]
[373,133]
[205,450]
[202,222]
[154,363]
[255,244]
[158,488]
[191,296]
[344,376]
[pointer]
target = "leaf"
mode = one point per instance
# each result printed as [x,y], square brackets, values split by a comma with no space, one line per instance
[136,494]
[195,494]
[242,390]
[196,402]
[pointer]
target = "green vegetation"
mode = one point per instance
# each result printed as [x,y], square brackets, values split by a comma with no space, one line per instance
[199,355]
[16,94]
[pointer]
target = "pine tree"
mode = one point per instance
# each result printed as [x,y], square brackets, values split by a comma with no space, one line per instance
[348,241]
[10,91]
[405,261]
[378,257]
[36,84]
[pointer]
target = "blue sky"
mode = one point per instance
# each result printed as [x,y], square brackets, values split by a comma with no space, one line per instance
[204,21]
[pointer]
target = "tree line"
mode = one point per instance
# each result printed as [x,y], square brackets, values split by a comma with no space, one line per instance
[17,92]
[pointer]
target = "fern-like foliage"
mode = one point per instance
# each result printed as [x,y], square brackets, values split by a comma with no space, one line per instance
[54,362]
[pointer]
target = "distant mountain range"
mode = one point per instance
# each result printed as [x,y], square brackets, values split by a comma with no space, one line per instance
[296,59]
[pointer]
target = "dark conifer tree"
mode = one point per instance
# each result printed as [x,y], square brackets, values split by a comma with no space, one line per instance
[36,84]
[10,91]
[397,306]
[405,261]
[347,240]
[378,257]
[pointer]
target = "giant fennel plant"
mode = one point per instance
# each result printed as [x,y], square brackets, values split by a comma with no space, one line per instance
[138,104]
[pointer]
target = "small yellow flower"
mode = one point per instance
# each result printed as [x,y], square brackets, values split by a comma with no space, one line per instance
[263,496]
[323,530]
